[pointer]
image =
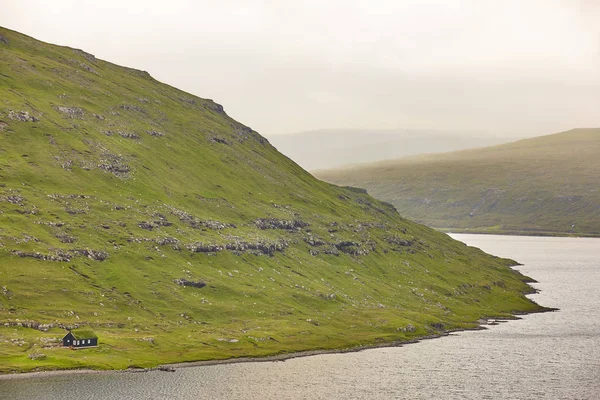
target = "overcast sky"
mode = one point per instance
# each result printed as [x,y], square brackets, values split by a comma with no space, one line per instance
[281,66]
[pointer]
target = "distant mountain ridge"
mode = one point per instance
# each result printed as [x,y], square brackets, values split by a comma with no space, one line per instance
[542,185]
[332,148]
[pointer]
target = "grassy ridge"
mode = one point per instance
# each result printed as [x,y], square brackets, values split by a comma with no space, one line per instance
[177,234]
[545,185]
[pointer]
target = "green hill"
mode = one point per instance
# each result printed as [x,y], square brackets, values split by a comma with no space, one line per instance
[175,233]
[546,185]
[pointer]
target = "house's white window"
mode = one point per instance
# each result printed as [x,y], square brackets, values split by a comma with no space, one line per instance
[89,341]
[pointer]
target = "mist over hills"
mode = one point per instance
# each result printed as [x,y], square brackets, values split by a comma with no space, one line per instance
[176,233]
[544,185]
[332,148]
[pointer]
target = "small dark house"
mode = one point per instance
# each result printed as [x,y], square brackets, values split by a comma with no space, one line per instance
[80,338]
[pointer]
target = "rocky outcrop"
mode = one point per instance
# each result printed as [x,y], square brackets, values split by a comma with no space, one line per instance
[398,241]
[272,223]
[114,164]
[90,57]
[212,106]
[257,248]
[3,39]
[198,224]
[64,255]
[185,282]
[70,112]
[22,116]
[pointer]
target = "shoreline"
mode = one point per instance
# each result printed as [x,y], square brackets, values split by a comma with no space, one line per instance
[172,367]
[475,231]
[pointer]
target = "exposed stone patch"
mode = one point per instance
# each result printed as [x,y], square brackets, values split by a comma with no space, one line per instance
[114,164]
[6,292]
[398,241]
[64,238]
[59,256]
[198,224]
[3,39]
[90,57]
[14,199]
[187,100]
[83,65]
[204,248]
[36,356]
[314,241]
[3,125]
[146,225]
[185,282]
[22,116]
[211,105]
[257,248]
[92,254]
[64,256]
[218,140]
[70,112]
[166,241]
[132,107]
[155,133]
[128,135]
[273,223]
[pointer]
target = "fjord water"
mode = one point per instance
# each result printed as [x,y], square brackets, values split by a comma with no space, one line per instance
[554,355]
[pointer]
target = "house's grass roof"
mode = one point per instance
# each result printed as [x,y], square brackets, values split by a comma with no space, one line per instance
[83,334]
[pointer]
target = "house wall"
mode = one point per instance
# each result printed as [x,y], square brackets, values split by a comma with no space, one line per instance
[70,340]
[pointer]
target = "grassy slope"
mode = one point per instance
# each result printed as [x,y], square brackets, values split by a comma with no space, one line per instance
[68,188]
[544,185]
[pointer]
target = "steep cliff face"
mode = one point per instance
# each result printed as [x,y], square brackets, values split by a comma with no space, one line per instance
[177,233]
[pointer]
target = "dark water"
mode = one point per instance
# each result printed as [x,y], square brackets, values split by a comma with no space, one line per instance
[543,356]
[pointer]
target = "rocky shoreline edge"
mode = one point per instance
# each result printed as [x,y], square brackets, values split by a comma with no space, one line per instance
[273,358]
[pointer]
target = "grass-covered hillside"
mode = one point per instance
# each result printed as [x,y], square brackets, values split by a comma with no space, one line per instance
[174,233]
[546,185]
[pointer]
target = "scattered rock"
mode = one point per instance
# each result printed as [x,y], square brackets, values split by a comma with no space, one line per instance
[6,293]
[114,164]
[211,105]
[132,107]
[155,133]
[188,100]
[71,112]
[218,140]
[87,56]
[314,241]
[92,254]
[128,135]
[3,39]
[22,116]
[83,65]
[3,125]
[272,223]
[185,282]
[398,241]
[36,356]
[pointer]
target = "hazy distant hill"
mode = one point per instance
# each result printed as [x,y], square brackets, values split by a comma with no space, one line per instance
[177,233]
[543,185]
[338,147]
